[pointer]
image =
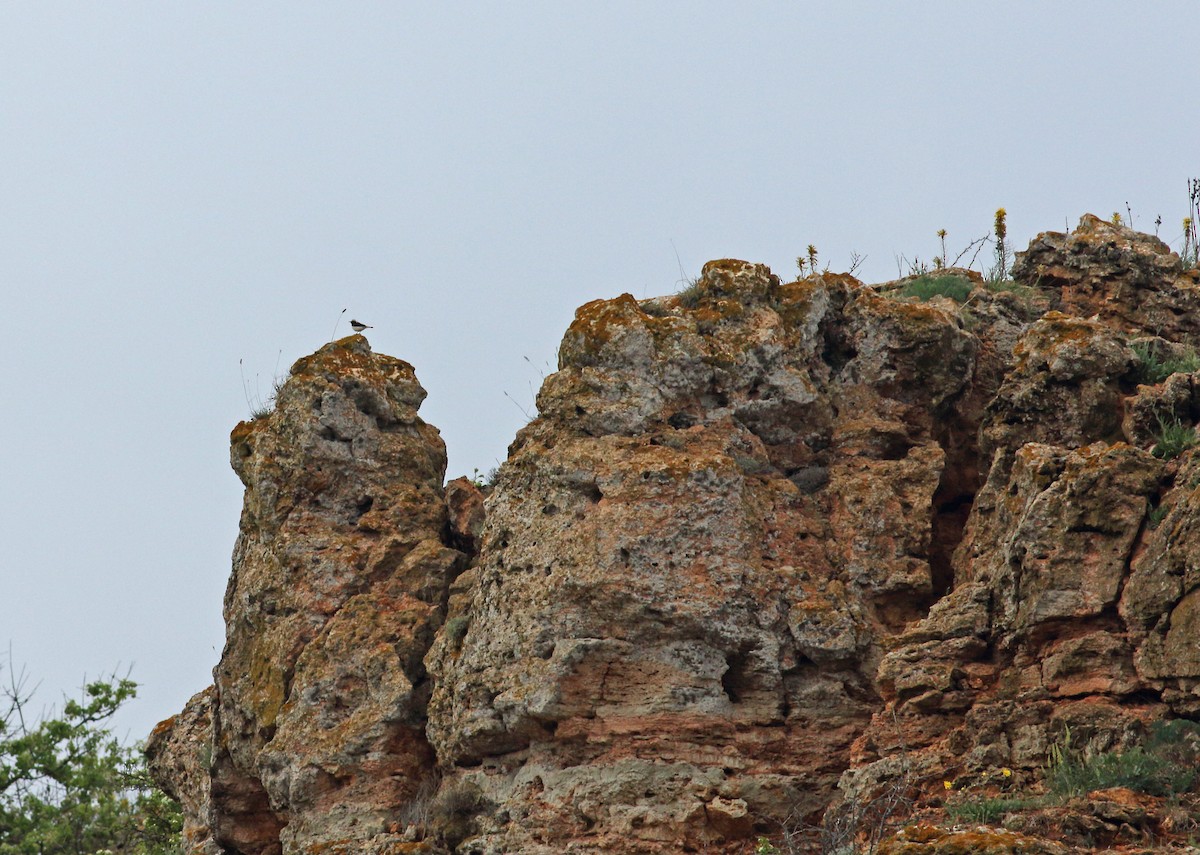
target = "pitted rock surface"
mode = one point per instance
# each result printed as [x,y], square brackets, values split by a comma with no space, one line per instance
[769,550]
[693,558]
[339,582]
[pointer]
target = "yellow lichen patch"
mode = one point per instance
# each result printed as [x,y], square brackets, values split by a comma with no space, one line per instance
[600,322]
[268,682]
[243,431]
[930,840]
[597,321]
[163,726]
[796,301]
[713,312]
[1053,334]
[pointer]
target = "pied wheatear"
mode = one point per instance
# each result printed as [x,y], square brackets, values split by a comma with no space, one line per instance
[359,326]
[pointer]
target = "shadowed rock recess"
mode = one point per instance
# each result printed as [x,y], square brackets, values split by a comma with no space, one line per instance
[769,551]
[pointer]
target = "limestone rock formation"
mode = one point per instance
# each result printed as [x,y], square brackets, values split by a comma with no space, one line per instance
[179,756]
[339,582]
[691,558]
[1070,607]
[771,552]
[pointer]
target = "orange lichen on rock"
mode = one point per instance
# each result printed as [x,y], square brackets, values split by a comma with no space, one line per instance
[769,551]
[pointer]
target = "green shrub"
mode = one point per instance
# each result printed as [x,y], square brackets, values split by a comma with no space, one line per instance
[924,288]
[765,847]
[1174,438]
[456,629]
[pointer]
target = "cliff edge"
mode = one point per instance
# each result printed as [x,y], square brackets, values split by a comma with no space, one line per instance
[771,551]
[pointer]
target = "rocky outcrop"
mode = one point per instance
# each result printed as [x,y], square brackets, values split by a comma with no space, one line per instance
[767,548]
[692,558]
[1070,605]
[179,757]
[339,583]
[1129,281]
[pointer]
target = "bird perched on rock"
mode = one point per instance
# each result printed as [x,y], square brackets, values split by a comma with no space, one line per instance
[359,326]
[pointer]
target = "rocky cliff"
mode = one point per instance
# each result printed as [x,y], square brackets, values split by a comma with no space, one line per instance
[769,553]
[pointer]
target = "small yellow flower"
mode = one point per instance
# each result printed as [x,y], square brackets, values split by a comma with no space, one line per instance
[1006,772]
[949,785]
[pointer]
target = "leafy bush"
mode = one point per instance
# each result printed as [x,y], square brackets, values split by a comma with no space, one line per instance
[924,288]
[69,787]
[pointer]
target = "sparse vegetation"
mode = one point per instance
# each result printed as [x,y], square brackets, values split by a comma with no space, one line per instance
[1174,438]
[1164,765]
[689,295]
[941,262]
[1154,368]
[259,406]
[454,809]
[1190,253]
[810,261]
[999,273]
[926,287]
[418,811]
[483,480]
[1157,515]
[988,810]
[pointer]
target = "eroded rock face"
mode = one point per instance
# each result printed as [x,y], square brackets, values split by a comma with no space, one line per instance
[1072,604]
[768,547]
[692,560]
[1130,281]
[339,582]
[179,756]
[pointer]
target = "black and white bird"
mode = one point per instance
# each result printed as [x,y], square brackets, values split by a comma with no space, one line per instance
[359,326]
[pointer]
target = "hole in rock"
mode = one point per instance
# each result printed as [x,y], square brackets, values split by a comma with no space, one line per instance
[949,521]
[736,680]
[1143,696]
[893,446]
[837,353]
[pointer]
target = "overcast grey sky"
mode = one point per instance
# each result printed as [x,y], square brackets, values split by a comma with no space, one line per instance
[187,185]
